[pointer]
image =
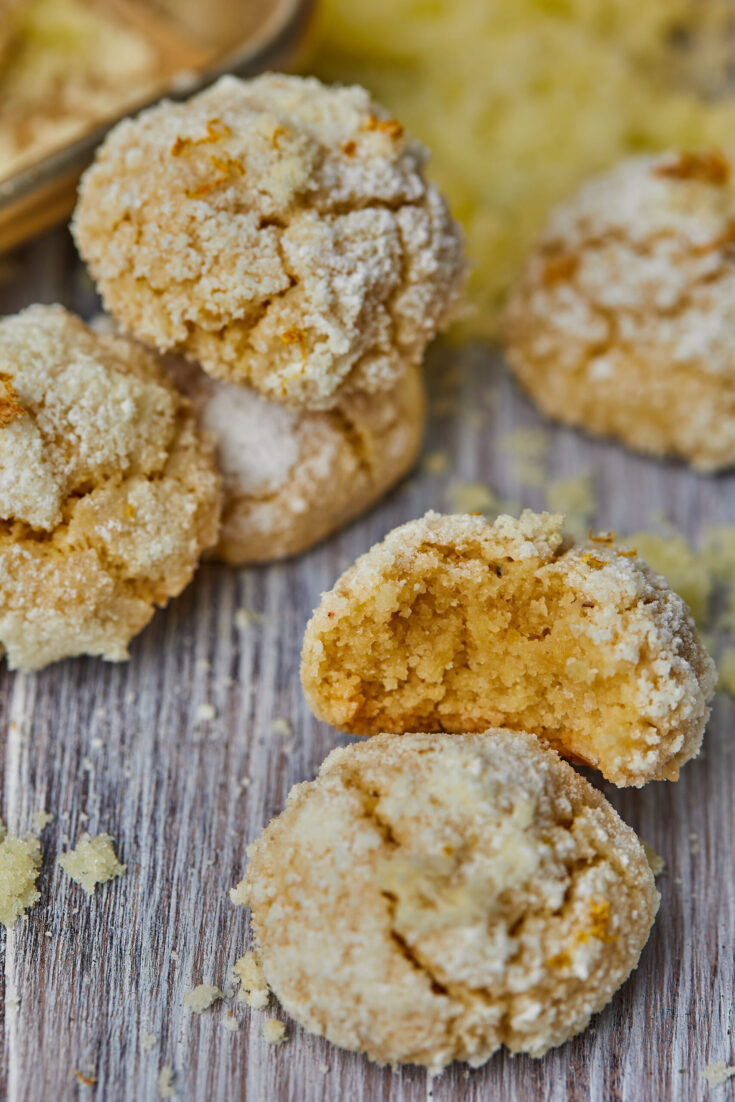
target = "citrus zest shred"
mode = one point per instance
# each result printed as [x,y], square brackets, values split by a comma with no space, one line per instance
[392,127]
[711,166]
[10,407]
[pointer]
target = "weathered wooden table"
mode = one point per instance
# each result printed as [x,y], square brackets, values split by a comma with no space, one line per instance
[124,749]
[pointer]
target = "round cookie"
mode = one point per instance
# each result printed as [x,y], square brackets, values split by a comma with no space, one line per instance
[279,232]
[623,322]
[292,477]
[429,898]
[456,624]
[108,494]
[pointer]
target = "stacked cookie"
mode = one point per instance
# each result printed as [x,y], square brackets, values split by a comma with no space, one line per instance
[431,897]
[280,234]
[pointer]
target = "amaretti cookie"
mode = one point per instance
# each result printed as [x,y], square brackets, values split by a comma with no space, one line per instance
[108,493]
[456,624]
[623,321]
[278,231]
[291,477]
[429,898]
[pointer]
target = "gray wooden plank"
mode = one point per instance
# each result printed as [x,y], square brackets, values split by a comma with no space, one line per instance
[122,744]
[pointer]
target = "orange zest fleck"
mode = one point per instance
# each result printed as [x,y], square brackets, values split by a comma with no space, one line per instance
[86,1080]
[560,268]
[710,166]
[727,237]
[278,133]
[227,167]
[560,960]
[608,538]
[599,916]
[130,510]
[629,554]
[590,560]
[349,148]
[392,127]
[10,407]
[295,335]
[216,131]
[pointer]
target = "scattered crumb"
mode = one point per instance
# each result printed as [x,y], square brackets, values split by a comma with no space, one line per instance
[88,765]
[148,1041]
[92,862]
[174,955]
[246,618]
[165,1083]
[253,985]
[472,497]
[206,713]
[324,1068]
[230,1022]
[85,1080]
[282,726]
[20,864]
[655,860]
[12,1005]
[96,743]
[527,448]
[40,820]
[203,996]
[202,665]
[694,846]
[726,670]
[575,497]
[718,1073]
[83,817]
[436,462]
[274,1031]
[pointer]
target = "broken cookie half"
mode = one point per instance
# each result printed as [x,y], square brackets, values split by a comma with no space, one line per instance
[456,624]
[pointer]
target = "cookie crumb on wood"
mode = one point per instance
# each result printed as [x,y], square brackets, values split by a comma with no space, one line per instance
[93,861]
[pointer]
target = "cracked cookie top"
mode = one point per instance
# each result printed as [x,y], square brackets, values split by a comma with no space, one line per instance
[108,494]
[454,623]
[278,231]
[429,898]
[623,318]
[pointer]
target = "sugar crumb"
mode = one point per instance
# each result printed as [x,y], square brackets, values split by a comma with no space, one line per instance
[718,1073]
[203,996]
[20,864]
[165,1083]
[230,1022]
[274,1031]
[148,1041]
[655,860]
[93,861]
[282,726]
[206,713]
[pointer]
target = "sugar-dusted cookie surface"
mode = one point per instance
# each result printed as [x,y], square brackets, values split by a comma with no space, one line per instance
[456,624]
[623,321]
[108,494]
[429,898]
[278,231]
[291,477]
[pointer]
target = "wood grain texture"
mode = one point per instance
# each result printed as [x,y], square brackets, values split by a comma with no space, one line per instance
[123,746]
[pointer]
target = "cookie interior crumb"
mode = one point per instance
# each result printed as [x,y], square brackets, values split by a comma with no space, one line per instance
[253,985]
[165,1083]
[203,996]
[20,864]
[93,861]
[454,624]
[274,1031]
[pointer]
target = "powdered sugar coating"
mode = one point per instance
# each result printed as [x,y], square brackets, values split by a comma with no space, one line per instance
[623,320]
[429,898]
[278,231]
[108,495]
[453,623]
[292,477]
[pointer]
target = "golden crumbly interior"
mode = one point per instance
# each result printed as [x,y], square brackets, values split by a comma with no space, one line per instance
[622,321]
[277,231]
[93,861]
[20,864]
[429,898]
[454,624]
[108,494]
[292,477]
[520,101]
